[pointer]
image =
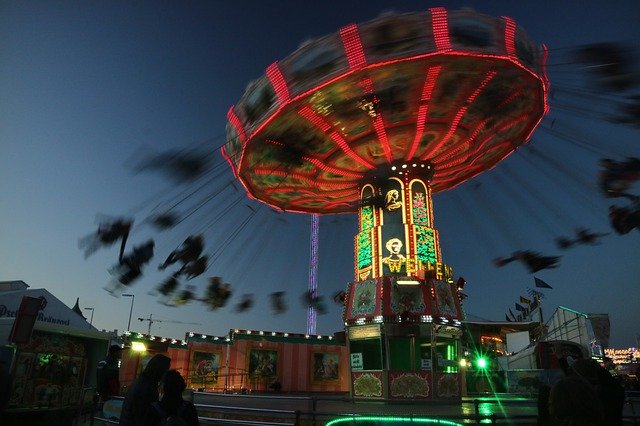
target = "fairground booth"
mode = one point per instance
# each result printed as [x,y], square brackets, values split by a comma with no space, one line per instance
[50,352]
[246,361]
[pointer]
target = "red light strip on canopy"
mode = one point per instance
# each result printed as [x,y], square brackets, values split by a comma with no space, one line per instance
[278,82]
[319,164]
[440,28]
[223,151]
[353,46]
[454,124]
[235,122]
[545,78]
[317,120]
[378,124]
[482,144]
[509,36]
[427,91]
[307,179]
[448,155]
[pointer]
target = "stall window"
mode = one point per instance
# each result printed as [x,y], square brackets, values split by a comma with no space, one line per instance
[400,354]
[423,354]
[371,350]
[446,356]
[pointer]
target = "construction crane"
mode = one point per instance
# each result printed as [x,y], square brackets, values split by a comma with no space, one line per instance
[151,320]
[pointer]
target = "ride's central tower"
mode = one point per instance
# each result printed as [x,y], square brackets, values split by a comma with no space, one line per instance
[402,312]
[396,233]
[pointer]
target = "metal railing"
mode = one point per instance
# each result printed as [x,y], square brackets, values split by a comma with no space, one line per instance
[234,414]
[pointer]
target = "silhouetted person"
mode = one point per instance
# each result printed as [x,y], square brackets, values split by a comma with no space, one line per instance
[532,260]
[107,234]
[312,300]
[168,286]
[185,296]
[108,374]
[584,236]
[172,405]
[195,268]
[245,303]
[607,388]
[616,177]
[564,243]
[629,112]
[574,402]
[625,219]
[189,251]
[611,64]
[182,167]
[131,265]
[5,387]
[544,417]
[217,294]
[278,304]
[164,221]
[144,392]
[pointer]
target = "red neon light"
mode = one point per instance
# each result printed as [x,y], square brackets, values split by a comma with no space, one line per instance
[271,172]
[440,28]
[509,36]
[545,79]
[378,124]
[267,121]
[223,151]
[274,142]
[459,114]
[319,164]
[277,81]
[472,138]
[507,126]
[320,123]
[353,46]
[427,91]
[235,122]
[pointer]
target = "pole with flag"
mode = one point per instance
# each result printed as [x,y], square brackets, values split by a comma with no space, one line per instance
[538,295]
[540,283]
[525,301]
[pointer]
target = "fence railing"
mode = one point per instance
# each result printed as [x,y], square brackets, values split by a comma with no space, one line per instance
[309,414]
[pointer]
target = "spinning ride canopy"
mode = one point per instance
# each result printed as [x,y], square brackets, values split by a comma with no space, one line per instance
[458,89]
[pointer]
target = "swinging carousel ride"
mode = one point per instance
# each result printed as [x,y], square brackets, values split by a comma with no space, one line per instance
[375,119]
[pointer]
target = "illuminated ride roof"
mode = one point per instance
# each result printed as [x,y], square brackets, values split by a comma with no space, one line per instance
[459,89]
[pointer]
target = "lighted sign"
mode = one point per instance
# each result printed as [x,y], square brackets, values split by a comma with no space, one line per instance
[138,346]
[356,361]
[364,332]
[622,356]
[425,364]
[407,281]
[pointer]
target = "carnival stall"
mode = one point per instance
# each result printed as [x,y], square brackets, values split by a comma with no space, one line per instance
[53,373]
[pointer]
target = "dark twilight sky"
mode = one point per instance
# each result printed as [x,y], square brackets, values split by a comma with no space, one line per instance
[86,86]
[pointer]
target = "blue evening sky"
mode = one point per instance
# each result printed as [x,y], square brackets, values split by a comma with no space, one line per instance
[87,85]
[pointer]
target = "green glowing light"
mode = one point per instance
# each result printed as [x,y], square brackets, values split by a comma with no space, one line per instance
[392,420]
[481,363]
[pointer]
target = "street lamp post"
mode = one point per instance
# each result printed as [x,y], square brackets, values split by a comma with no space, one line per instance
[133,297]
[91,321]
